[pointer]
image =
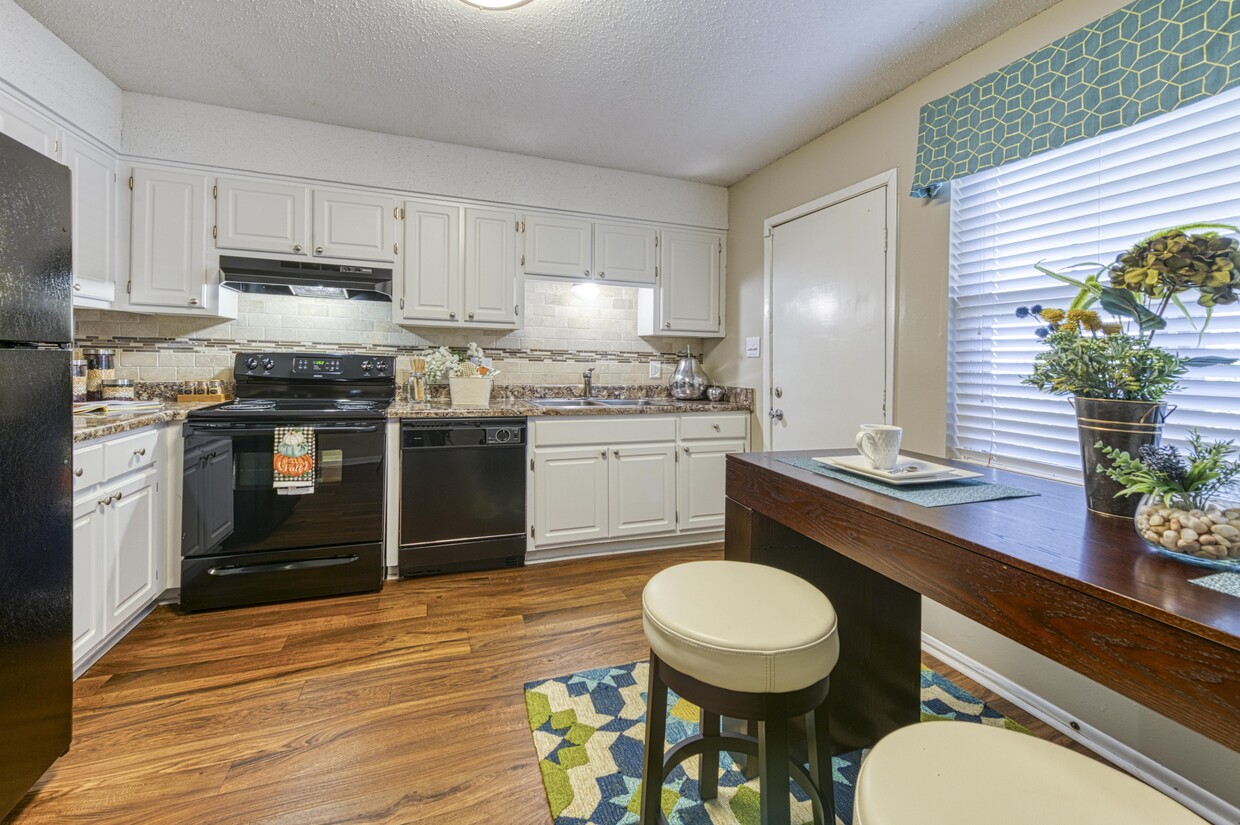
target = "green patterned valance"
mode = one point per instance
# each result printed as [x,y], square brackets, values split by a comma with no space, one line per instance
[1149,57]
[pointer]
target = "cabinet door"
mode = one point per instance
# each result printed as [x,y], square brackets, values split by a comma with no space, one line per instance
[643,490]
[94,214]
[261,216]
[557,246]
[626,253]
[193,501]
[169,238]
[689,293]
[132,543]
[432,264]
[88,574]
[701,471]
[570,495]
[355,226]
[490,266]
[217,485]
[26,126]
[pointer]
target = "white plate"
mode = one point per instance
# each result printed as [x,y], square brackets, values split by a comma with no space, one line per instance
[926,472]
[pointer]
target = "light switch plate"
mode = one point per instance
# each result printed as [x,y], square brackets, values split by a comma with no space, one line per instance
[752,347]
[655,369]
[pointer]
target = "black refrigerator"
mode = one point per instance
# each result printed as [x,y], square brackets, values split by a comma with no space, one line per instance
[36,489]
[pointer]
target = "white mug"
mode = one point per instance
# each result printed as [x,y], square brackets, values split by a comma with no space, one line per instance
[880,444]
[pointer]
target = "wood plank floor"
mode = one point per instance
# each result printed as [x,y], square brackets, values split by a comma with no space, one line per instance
[403,706]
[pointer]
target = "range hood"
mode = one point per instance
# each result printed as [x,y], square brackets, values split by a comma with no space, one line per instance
[305,279]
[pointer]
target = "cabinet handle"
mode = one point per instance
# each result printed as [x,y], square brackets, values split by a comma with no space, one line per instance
[193,302]
[141,451]
[78,472]
[104,502]
[77,287]
[452,315]
[318,250]
[471,316]
[297,247]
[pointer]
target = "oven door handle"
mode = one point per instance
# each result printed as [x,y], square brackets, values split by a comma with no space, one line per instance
[282,566]
[247,429]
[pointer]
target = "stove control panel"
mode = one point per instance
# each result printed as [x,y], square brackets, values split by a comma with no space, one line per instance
[308,366]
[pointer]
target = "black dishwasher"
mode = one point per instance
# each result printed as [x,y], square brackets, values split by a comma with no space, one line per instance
[462,495]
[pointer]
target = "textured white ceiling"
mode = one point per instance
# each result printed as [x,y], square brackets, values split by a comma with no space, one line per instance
[705,90]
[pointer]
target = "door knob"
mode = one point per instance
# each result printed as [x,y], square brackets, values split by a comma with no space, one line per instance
[777,415]
[779,392]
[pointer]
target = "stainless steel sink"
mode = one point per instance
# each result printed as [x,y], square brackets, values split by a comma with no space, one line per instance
[564,402]
[631,402]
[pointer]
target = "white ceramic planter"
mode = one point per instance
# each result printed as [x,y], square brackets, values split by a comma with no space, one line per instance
[471,391]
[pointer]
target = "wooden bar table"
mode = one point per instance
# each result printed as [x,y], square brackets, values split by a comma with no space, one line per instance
[1078,588]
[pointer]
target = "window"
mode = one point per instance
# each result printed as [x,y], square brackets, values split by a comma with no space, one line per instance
[1084,202]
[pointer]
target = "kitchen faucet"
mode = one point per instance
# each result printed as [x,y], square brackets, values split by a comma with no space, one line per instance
[587,382]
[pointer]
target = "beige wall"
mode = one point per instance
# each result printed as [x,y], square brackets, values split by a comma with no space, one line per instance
[883,138]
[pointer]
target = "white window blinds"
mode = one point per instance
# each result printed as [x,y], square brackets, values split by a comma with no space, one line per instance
[1085,202]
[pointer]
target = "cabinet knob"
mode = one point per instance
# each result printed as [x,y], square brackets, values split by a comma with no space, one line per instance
[667,324]
[471,316]
[452,315]
[193,302]
[616,453]
[141,451]
[686,450]
[318,250]
[602,274]
[777,415]
[77,287]
[297,247]
[716,426]
[603,454]
[104,502]
[586,273]
[78,472]
[120,496]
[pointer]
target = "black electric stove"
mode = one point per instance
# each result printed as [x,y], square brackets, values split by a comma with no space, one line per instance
[245,541]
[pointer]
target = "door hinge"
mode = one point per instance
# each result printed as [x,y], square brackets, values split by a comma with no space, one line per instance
[520,226]
[215,192]
[522,260]
[215,232]
[531,465]
[531,531]
[677,518]
[129,287]
[676,457]
[395,249]
[55,147]
[656,273]
[516,309]
[131,183]
[402,303]
[656,241]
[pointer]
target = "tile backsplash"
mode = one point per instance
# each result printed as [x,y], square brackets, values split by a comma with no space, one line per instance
[563,335]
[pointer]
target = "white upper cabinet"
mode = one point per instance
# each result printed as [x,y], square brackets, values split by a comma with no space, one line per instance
[168,250]
[431,276]
[557,246]
[262,216]
[354,226]
[491,267]
[626,253]
[26,126]
[94,221]
[690,283]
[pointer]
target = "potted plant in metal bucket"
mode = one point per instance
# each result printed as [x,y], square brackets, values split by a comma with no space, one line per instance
[1117,378]
[469,380]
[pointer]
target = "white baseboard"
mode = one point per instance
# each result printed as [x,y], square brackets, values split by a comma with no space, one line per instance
[611,548]
[1188,794]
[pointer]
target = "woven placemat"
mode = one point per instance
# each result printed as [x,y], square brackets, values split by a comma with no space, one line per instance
[1228,583]
[932,494]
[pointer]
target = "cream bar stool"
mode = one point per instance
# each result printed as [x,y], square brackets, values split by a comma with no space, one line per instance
[963,773]
[749,642]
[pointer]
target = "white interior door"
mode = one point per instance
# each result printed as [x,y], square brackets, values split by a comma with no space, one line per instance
[829,336]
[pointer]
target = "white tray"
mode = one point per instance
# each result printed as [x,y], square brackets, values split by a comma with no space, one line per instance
[926,472]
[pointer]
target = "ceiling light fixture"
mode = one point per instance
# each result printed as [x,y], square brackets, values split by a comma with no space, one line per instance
[495,5]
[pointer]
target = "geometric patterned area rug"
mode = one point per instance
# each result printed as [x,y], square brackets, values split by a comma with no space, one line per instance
[589,730]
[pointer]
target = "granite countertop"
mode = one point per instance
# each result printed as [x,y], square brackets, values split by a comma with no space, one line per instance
[526,408]
[91,426]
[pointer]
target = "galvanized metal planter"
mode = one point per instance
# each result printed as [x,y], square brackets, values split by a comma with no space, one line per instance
[1124,425]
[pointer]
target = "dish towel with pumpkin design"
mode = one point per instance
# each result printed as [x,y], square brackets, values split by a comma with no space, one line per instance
[293,460]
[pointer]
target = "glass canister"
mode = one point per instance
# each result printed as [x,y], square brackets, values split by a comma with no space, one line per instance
[100,367]
[77,371]
[118,389]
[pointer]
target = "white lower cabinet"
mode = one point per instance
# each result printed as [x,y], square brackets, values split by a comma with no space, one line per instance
[118,518]
[629,478]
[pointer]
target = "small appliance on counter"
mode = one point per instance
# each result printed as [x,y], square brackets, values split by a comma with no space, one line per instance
[462,495]
[689,381]
[284,487]
[36,489]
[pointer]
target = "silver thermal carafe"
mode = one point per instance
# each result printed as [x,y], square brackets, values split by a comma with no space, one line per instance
[689,381]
